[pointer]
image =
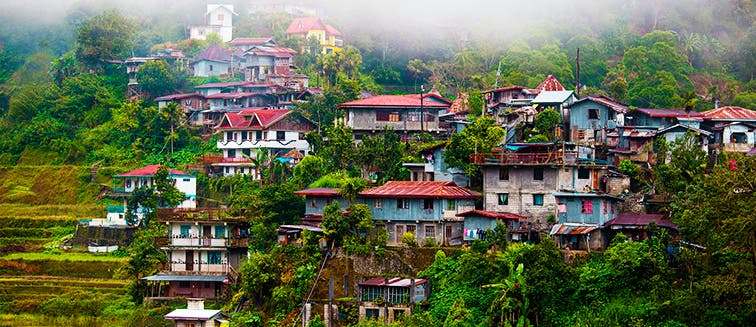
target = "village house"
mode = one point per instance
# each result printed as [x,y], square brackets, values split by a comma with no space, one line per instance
[315,201]
[126,183]
[406,114]
[479,223]
[580,219]
[312,28]
[246,133]
[434,168]
[520,178]
[635,226]
[205,250]
[192,103]
[734,128]
[245,43]
[218,19]
[592,118]
[388,299]
[215,61]
[195,315]
[261,61]
[426,209]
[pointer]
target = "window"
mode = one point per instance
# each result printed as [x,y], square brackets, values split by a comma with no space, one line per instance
[451,204]
[503,199]
[258,135]
[378,203]
[231,153]
[214,257]
[371,313]
[247,152]
[280,135]
[430,231]
[538,174]
[504,173]
[184,285]
[220,17]
[128,183]
[184,230]
[229,136]
[387,116]
[402,204]
[185,180]
[313,203]
[428,204]
[593,114]
[211,67]
[220,231]
[411,229]
[587,206]
[537,199]
[584,173]
[413,116]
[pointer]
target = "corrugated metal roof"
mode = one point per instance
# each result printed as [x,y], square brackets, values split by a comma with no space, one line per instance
[221,85]
[185,278]
[253,118]
[149,171]
[552,97]
[550,84]
[215,53]
[698,130]
[193,314]
[178,96]
[392,282]
[606,101]
[492,214]
[561,229]
[640,219]
[730,113]
[319,192]
[410,101]
[252,41]
[420,189]
[666,113]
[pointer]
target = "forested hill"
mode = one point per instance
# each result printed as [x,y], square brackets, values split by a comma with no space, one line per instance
[58,94]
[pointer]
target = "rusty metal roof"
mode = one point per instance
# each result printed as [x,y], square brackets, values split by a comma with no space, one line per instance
[420,189]
[679,113]
[551,84]
[492,214]
[150,171]
[730,113]
[561,229]
[409,101]
[640,219]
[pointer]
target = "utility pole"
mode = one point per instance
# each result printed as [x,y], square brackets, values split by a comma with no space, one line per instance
[422,110]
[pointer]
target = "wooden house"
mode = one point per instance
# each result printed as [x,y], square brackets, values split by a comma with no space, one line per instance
[388,299]
[315,201]
[734,128]
[479,223]
[635,226]
[405,114]
[426,209]
[580,218]
[592,118]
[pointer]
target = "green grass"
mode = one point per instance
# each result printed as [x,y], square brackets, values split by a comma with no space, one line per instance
[70,256]
[63,212]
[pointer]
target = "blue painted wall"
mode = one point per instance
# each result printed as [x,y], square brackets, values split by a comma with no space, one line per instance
[579,115]
[602,209]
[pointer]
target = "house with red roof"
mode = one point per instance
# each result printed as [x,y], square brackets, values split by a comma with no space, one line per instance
[406,114]
[479,224]
[245,133]
[192,103]
[734,128]
[312,28]
[427,209]
[125,184]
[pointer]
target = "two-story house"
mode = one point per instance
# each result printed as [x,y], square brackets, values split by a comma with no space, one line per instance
[580,219]
[245,43]
[205,250]
[734,128]
[126,183]
[218,19]
[215,61]
[315,201]
[246,133]
[312,28]
[426,209]
[521,178]
[192,103]
[405,114]
[260,61]
[591,118]
[388,299]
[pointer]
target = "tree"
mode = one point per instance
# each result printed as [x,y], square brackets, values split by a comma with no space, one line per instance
[381,154]
[155,78]
[479,137]
[144,257]
[104,37]
[546,121]
[162,193]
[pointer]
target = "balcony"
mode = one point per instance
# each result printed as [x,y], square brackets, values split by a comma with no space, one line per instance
[202,242]
[199,214]
[199,267]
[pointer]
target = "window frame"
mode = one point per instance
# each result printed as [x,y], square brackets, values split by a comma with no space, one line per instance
[505,201]
[538,173]
[538,199]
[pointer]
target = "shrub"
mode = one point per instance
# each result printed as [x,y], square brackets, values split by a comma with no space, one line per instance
[408,239]
[430,242]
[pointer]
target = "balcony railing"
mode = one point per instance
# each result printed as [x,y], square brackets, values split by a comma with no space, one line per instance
[199,267]
[209,160]
[181,241]
[523,158]
[196,214]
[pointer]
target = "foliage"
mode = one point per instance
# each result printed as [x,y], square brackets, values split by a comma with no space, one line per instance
[156,79]
[104,37]
[546,121]
[687,163]
[408,239]
[629,168]
[479,137]
[381,155]
[339,150]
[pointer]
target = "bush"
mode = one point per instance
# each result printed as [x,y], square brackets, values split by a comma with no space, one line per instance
[408,239]
[480,246]
[430,242]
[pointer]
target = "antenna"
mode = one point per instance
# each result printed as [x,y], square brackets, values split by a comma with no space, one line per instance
[577,65]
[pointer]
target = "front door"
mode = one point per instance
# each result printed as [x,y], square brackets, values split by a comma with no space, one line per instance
[399,233]
[189,260]
[206,235]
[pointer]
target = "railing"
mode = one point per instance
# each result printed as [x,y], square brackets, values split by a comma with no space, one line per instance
[178,240]
[199,267]
[522,158]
